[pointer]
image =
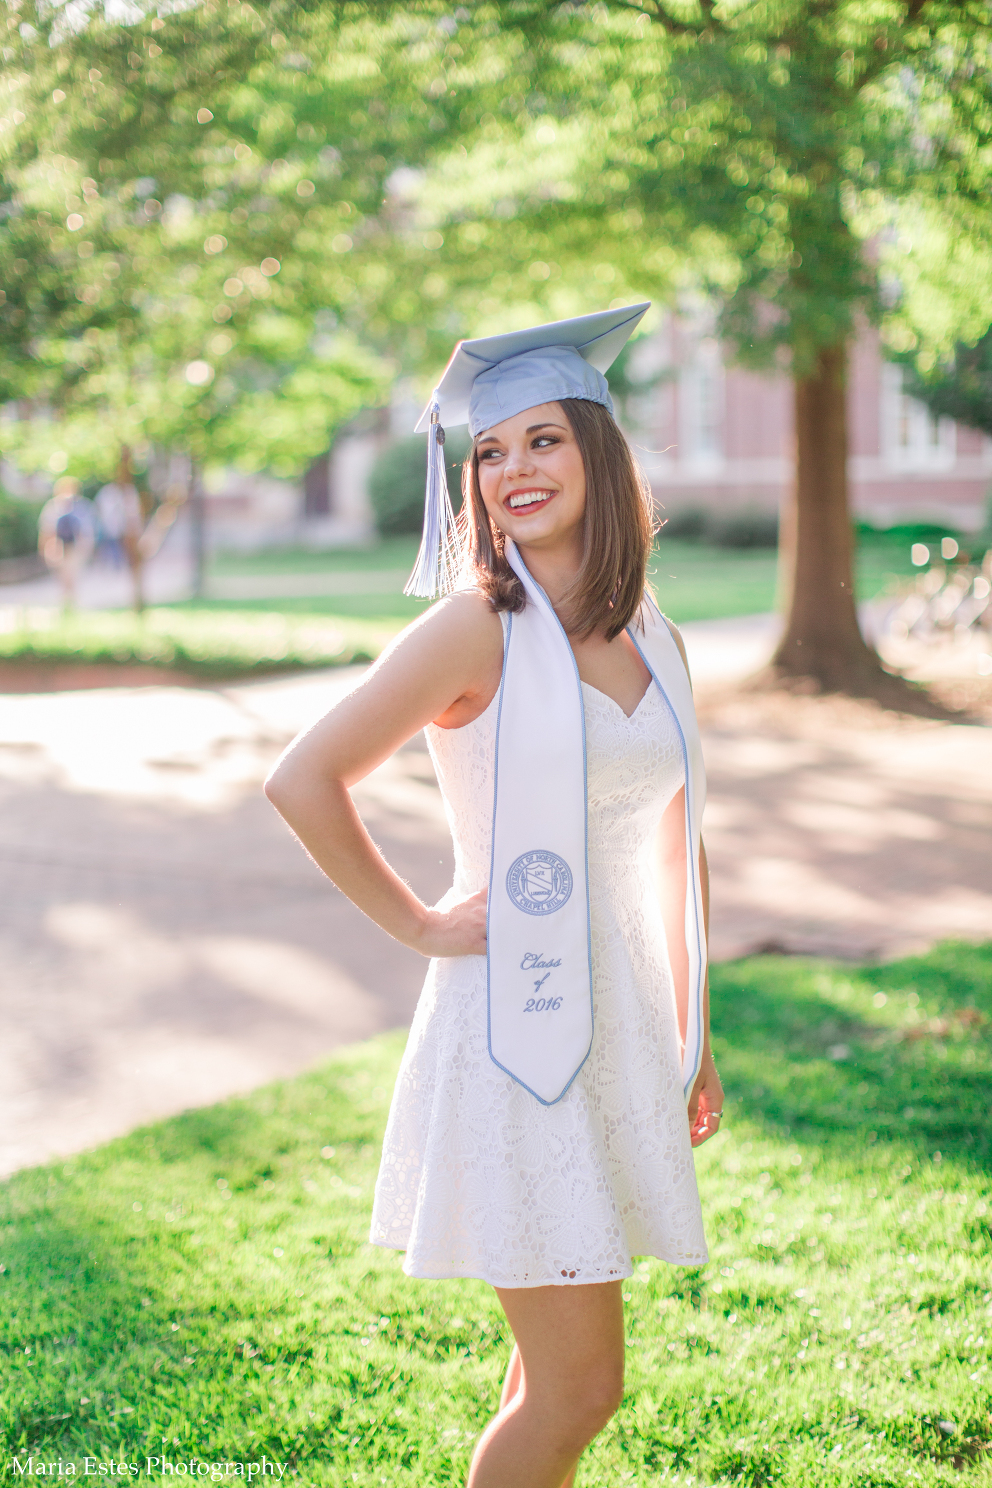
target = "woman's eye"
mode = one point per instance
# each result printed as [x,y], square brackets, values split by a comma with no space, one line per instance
[490,454]
[543,439]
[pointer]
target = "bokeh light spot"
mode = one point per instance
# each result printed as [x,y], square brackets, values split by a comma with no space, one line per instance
[203,116]
[199,374]
[269,266]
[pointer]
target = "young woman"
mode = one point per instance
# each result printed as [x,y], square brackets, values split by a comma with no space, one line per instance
[558,1071]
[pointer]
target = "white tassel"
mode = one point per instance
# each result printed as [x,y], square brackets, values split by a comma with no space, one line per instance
[439,560]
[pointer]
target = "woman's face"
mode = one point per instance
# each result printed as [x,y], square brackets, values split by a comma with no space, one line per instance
[532,478]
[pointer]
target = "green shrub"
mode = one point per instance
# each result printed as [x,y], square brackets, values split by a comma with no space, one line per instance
[18,526]
[909,532]
[743,529]
[749,528]
[396,484]
[688,523]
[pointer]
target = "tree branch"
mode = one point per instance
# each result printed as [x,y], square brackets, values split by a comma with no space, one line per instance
[671,25]
[677,28]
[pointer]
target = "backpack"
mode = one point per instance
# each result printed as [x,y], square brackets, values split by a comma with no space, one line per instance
[68,528]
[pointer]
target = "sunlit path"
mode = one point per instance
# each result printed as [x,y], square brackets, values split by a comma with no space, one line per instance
[165,942]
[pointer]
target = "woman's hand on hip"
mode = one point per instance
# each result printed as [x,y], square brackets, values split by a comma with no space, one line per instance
[705,1103]
[457,930]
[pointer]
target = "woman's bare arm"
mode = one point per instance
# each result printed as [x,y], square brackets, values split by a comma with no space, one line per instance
[706,1096]
[672,892]
[436,670]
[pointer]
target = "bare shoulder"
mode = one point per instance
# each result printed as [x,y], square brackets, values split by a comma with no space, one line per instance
[462,624]
[453,650]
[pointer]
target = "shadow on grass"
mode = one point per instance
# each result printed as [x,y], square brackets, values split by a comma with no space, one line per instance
[125,1299]
[173,1286]
[899,1052]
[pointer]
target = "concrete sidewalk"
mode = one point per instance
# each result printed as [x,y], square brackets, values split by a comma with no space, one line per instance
[166,942]
[168,578]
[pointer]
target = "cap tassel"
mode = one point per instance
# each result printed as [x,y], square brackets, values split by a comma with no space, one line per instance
[439,559]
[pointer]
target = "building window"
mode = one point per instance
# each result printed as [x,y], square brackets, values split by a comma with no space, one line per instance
[701,407]
[912,438]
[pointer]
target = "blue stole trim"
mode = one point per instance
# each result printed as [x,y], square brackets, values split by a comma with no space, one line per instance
[540,1027]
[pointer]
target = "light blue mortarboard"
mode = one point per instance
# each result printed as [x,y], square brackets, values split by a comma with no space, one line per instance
[494,378]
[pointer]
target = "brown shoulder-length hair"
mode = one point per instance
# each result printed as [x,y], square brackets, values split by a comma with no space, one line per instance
[618,531]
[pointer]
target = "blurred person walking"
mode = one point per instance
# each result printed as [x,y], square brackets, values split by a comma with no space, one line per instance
[126,511]
[132,523]
[118,509]
[66,535]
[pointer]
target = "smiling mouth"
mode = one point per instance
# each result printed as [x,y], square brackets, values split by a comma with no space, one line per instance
[526,500]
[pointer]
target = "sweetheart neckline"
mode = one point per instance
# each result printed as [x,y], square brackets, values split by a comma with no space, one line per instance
[495,698]
[606,696]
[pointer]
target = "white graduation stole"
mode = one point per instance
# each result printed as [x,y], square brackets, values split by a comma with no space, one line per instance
[539,952]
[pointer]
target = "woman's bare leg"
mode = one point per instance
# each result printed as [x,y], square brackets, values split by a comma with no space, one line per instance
[564,1382]
[512,1383]
[513,1379]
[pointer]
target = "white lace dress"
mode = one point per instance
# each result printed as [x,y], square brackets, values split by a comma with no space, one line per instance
[477,1177]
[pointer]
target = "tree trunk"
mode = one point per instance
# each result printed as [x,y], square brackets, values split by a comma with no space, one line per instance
[133,533]
[822,644]
[198,531]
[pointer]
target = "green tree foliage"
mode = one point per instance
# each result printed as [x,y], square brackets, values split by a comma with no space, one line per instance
[752,150]
[788,159]
[18,526]
[183,195]
[960,388]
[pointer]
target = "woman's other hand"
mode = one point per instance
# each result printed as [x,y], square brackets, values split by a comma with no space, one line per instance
[705,1103]
[456,930]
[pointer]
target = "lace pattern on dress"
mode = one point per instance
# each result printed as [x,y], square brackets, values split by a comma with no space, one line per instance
[479,1179]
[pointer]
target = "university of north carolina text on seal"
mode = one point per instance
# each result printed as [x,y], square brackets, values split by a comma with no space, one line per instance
[539,882]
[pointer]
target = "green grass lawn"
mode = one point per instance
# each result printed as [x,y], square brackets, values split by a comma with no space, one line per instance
[696,581]
[204,1287]
[391,612]
[388,552]
[230,637]
[212,642]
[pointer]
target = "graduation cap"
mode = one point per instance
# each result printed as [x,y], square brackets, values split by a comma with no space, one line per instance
[492,379]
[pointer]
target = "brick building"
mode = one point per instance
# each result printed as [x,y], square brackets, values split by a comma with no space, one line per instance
[713,435]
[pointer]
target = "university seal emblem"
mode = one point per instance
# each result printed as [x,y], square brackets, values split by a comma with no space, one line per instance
[539,882]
